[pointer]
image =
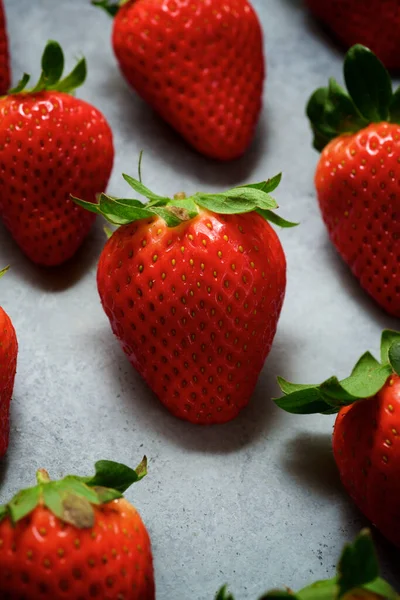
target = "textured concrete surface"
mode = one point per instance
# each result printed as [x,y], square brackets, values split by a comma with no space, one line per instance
[257,502]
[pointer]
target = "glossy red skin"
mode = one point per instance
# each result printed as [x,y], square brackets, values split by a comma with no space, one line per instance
[366,446]
[5,75]
[200,65]
[51,145]
[41,558]
[8,367]
[199,330]
[357,185]
[374,24]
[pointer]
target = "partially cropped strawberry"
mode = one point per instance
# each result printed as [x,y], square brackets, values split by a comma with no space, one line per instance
[51,144]
[193,289]
[366,438]
[357,177]
[8,367]
[357,578]
[76,538]
[4,57]
[200,65]
[375,24]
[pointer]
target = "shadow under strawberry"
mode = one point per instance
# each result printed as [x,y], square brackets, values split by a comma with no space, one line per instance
[308,458]
[55,279]
[137,400]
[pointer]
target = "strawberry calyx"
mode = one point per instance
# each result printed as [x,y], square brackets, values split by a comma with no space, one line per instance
[109,6]
[72,498]
[369,99]
[51,75]
[366,380]
[174,211]
[357,572]
[4,271]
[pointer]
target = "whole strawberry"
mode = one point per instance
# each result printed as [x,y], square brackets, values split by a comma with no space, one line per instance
[76,538]
[4,57]
[193,289]
[51,143]
[357,578]
[375,24]
[366,438]
[199,65]
[358,173]
[8,367]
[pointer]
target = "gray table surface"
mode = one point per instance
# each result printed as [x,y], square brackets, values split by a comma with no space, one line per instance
[256,502]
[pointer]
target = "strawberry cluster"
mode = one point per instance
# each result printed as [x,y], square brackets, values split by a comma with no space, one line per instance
[193,286]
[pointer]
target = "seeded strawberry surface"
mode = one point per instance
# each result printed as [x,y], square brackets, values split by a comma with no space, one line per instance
[41,557]
[200,65]
[51,144]
[357,185]
[375,24]
[8,365]
[195,307]
[366,445]
[4,56]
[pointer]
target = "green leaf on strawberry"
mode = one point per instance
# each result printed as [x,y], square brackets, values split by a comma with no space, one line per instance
[369,99]
[357,571]
[367,379]
[72,498]
[4,271]
[52,70]
[174,211]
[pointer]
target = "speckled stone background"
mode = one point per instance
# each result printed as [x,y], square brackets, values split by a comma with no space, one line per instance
[257,502]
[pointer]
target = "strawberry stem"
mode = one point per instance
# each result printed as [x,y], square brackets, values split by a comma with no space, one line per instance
[42,476]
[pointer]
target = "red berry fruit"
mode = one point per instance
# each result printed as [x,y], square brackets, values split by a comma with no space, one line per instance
[5,76]
[51,144]
[76,538]
[366,438]
[374,24]
[200,65]
[8,367]
[358,172]
[193,289]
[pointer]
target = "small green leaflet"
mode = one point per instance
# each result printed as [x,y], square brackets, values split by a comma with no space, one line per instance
[358,564]
[224,206]
[367,378]
[144,191]
[368,83]
[52,70]
[388,338]
[117,476]
[4,271]
[394,357]
[266,186]
[23,503]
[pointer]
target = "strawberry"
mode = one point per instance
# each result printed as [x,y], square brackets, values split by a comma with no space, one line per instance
[375,24]
[76,538]
[4,57]
[200,65]
[357,578]
[358,173]
[193,289]
[366,437]
[51,143]
[8,367]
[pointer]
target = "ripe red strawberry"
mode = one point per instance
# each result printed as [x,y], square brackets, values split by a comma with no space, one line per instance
[8,367]
[375,24]
[366,438]
[200,65]
[358,172]
[4,57]
[357,578]
[76,538]
[193,289]
[51,143]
